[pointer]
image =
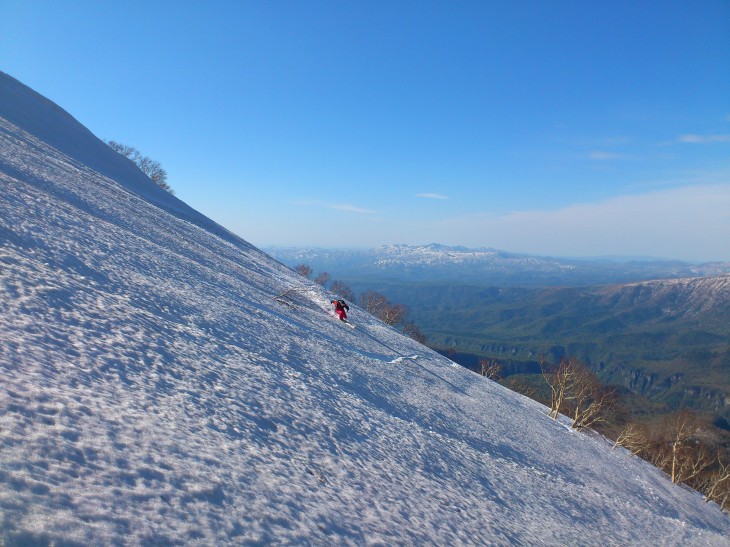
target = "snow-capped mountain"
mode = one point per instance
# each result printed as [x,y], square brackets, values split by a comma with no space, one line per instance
[436,262]
[434,254]
[164,382]
[677,297]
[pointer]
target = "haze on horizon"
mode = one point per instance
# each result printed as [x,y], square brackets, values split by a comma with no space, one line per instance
[563,129]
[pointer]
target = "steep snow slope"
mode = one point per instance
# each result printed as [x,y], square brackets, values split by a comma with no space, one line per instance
[49,123]
[154,390]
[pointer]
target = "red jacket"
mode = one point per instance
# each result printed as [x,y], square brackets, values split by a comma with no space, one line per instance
[340,307]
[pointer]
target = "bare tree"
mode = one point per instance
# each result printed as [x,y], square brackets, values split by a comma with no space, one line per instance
[343,290]
[491,369]
[635,438]
[378,305]
[576,389]
[589,399]
[410,329]
[322,279]
[304,270]
[718,484]
[147,165]
[155,172]
[559,381]
[123,149]
[678,450]
[372,302]
[393,314]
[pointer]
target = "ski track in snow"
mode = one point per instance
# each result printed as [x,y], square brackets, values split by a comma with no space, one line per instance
[155,390]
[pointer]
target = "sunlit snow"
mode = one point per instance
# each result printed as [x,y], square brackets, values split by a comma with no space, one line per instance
[164,382]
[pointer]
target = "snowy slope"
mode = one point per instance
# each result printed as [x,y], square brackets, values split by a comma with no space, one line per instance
[155,391]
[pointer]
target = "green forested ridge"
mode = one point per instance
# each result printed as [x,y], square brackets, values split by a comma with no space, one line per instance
[669,341]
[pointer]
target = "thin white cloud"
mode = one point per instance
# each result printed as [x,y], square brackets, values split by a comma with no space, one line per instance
[702,139]
[351,209]
[617,141]
[432,196]
[690,223]
[336,206]
[307,202]
[605,156]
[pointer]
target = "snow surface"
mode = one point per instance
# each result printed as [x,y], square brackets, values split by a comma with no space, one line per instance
[164,382]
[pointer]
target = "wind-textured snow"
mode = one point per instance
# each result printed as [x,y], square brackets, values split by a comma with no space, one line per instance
[164,382]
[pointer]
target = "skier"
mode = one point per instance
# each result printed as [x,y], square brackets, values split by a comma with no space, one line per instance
[340,307]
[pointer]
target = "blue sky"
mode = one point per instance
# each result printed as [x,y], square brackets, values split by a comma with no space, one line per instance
[568,128]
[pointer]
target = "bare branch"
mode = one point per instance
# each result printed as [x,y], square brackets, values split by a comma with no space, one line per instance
[634,438]
[304,270]
[285,297]
[491,369]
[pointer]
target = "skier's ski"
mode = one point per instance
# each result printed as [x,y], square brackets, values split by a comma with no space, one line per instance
[346,322]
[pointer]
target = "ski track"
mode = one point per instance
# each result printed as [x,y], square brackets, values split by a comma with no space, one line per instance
[155,391]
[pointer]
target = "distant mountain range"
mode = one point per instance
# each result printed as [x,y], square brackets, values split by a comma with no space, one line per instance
[436,262]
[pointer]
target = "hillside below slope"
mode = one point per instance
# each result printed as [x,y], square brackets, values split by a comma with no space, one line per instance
[668,340]
[164,382]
